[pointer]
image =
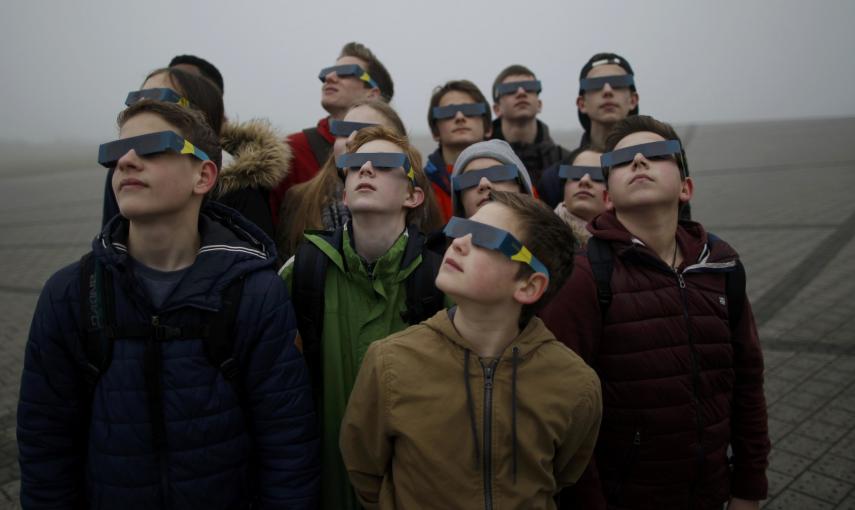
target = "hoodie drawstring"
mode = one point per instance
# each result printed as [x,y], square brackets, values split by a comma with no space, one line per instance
[471,408]
[516,351]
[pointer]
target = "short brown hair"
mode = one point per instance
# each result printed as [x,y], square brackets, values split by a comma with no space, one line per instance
[646,123]
[426,215]
[376,68]
[511,70]
[548,238]
[191,124]
[465,86]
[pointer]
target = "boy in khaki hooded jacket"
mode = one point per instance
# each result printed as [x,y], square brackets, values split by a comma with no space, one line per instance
[522,422]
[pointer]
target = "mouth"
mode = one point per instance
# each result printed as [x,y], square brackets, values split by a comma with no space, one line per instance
[483,201]
[453,264]
[131,183]
[365,186]
[329,89]
[583,194]
[640,177]
[461,130]
[521,103]
[608,106]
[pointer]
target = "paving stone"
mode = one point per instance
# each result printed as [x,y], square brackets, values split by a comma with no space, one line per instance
[792,500]
[807,400]
[820,388]
[788,463]
[778,429]
[836,416]
[835,376]
[785,412]
[777,482]
[836,467]
[822,487]
[845,447]
[822,431]
[847,504]
[803,445]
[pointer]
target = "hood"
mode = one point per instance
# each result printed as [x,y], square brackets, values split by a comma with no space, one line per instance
[261,159]
[231,246]
[529,339]
[693,240]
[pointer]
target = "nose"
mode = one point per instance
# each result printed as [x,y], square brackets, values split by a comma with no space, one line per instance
[129,161]
[519,91]
[331,77]
[458,115]
[607,88]
[639,160]
[367,169]
[585,181]
[462,244]
[485,184]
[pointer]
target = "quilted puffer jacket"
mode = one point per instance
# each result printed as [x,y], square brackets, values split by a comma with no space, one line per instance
[680,383]
[208,448]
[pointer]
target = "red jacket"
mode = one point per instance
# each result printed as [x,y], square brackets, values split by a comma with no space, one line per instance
[679,384]
[304,166]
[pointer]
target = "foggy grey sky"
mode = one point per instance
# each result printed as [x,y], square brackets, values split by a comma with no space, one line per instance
[67,66]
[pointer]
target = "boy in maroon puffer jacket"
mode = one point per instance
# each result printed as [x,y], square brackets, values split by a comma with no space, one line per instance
[684,416]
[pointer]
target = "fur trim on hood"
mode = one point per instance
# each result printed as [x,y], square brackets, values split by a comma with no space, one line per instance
[262,159]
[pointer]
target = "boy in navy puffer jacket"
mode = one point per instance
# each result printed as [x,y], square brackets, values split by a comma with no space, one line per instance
[150,421]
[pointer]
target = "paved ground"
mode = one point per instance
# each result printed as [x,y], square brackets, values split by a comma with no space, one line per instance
[781,193]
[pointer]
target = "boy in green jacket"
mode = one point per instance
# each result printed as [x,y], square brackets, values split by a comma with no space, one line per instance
[358,284]
[522,422]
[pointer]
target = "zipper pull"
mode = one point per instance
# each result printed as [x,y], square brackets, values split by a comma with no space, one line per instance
[488,377]
[680,279]
[637,439]
[155,320]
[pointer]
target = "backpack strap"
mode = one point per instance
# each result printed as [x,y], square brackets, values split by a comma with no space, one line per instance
[220,341]
[600,257]
[97,310]
[307,291]
[734,286]
[423,298]
[319,145]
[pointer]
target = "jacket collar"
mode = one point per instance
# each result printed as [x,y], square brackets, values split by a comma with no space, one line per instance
[542,136]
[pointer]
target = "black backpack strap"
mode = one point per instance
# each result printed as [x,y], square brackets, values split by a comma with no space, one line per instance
[423,298]
[600,258]
[734,287]
[219,344]
[307,291]
[319,145]
[97,318]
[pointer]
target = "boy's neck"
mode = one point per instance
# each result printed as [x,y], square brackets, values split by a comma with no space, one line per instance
[450,154]
[657,229]
[490,328]
[599,132]
[374,234]
[164,245]
[519,131]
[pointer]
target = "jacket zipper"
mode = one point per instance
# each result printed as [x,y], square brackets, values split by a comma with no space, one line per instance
[696,375]
[489,372]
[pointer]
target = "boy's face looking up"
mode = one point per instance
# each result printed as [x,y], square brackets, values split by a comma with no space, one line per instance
[607,105]
[585,198]
[521,105]
[475,198]
[472,273]
[338,93]
[159,185]
[386,192]
[644,183]
[459,131]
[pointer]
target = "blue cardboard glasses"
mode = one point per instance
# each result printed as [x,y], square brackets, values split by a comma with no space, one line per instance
[162,94]
[576,173]
[147,145]
[380,160]
[617,81]
[354,70]
[468,110]
[654,151]
[343,128]
[497,173]
[503,89]
[496,239]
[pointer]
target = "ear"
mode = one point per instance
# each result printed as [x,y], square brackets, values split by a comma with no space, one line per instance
[610,206]
[633,100]
[373,93]
[530,289]
[580,104]
[687,190]
[415,198]
[344,196]
[497,110]
[488,133]
[539,105]
[206,177]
